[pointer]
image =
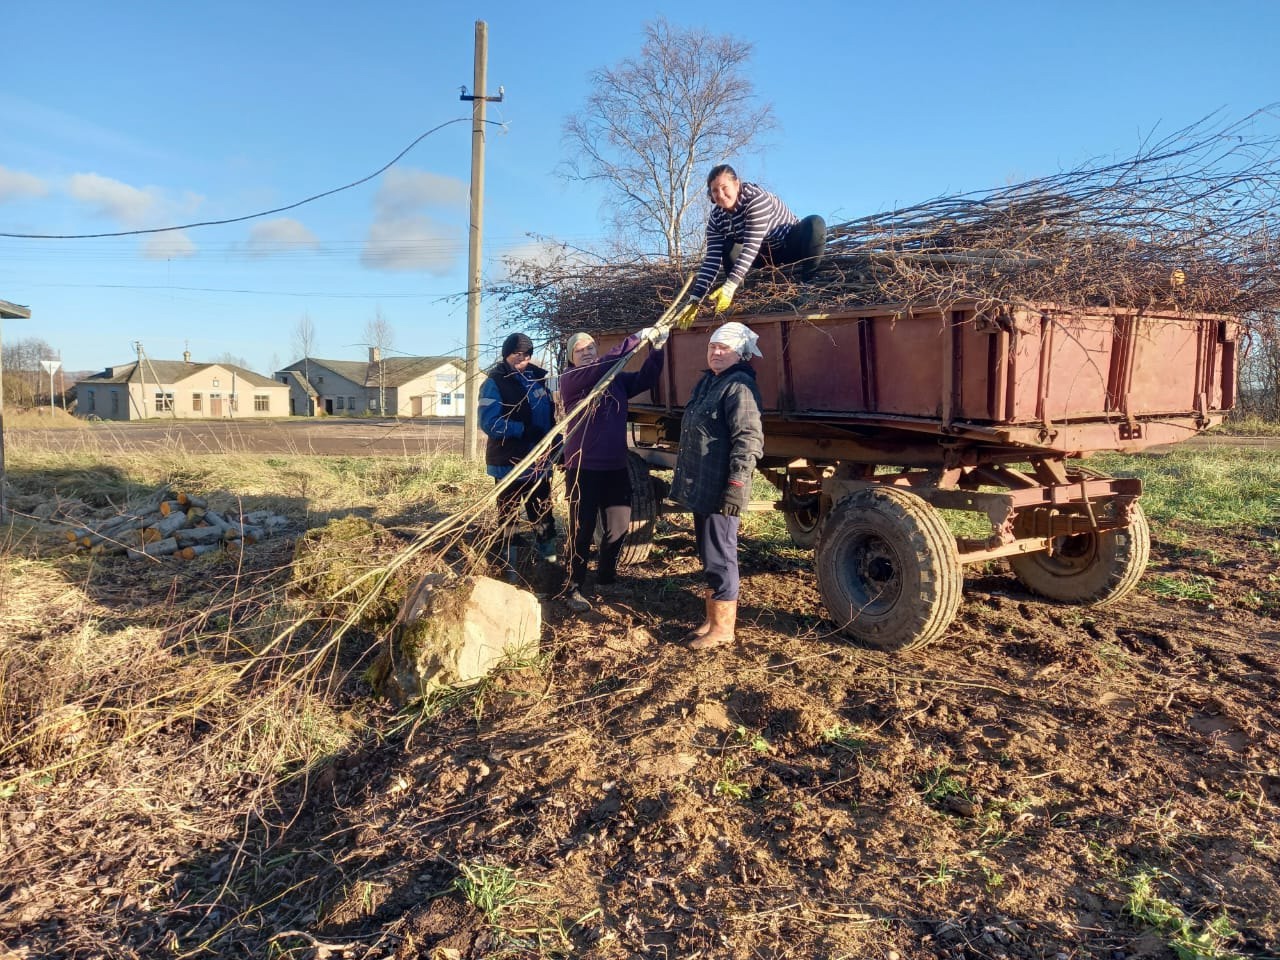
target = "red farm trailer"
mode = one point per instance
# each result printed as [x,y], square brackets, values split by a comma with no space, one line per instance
[875,419]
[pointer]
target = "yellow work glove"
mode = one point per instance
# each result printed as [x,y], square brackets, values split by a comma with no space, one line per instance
[722,296]
[686,316]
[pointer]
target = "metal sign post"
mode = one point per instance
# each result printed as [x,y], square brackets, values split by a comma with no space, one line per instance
[50,367]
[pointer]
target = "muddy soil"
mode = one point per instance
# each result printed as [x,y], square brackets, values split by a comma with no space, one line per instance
[1005,792]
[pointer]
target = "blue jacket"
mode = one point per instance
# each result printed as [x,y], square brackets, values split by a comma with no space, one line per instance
[516,412]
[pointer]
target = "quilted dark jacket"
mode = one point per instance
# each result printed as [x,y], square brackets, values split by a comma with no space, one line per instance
[721,438]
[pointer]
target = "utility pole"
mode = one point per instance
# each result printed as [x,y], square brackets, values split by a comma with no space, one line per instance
[470,421]
[8,311]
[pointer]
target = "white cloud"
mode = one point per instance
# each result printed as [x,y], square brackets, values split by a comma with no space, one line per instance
[402,237]
[411,243]
[14,185]
[405,190]
[284,235]
[546,253]
[111,198]
[171,245]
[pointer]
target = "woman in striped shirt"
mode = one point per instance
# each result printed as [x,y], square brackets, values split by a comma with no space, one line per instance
[750,226]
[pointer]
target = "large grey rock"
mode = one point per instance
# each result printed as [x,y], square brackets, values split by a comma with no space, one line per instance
[455,630]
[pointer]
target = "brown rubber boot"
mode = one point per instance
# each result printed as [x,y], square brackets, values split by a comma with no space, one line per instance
[724,617]
[702,629]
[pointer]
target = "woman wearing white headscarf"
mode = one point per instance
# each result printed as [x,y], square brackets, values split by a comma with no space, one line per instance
[721,439]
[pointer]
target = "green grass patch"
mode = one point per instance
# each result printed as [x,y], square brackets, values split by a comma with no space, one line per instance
[1207,487]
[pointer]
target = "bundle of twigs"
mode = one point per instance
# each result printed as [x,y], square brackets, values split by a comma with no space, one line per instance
[1189,222]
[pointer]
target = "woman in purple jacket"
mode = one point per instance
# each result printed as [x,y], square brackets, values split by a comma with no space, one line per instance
[595,452]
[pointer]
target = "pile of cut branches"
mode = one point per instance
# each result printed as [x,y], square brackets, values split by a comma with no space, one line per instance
[1190,222]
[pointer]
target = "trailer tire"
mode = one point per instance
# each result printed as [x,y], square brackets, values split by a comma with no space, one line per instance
[803,524]
[638,542]
[1093,569]
[888,569]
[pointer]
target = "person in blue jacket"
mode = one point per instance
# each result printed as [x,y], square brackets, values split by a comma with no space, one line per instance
[595,452]
[516,411]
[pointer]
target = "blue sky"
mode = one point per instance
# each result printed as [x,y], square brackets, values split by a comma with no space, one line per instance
[137,115]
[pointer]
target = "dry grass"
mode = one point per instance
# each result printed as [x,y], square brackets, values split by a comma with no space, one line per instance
[170,702]
[41,418]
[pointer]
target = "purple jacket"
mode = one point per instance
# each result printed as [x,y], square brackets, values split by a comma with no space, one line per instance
[598,440]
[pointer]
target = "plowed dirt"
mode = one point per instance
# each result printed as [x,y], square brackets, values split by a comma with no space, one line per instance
[1004,792]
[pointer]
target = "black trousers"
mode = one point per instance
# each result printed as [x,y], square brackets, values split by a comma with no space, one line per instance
[804,245]
[535,495]
[603,495]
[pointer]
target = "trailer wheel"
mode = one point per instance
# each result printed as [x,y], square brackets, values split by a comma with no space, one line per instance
[1094,569]
[638,542]
[888,569]
[803,490]
[803,524]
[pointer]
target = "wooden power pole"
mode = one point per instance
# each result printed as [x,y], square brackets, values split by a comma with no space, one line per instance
[8,311]
[470,422]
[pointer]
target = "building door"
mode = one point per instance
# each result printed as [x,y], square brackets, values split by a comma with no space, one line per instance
[215,404]
[328,405]
[416,406]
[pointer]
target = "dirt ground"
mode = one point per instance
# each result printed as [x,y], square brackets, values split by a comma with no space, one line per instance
[1043,782]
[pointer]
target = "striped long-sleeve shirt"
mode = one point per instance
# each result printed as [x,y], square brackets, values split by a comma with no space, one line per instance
[757,218]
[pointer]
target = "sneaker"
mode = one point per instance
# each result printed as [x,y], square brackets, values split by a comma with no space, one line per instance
[547,550]
[576,602]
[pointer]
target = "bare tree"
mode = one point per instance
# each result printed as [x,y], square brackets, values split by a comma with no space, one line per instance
[304,342]
[304,336]
[22,370]
[230,358]
[654,122]
[1260,369]
[381,338]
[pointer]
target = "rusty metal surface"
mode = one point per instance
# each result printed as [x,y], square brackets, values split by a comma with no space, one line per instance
[922,386]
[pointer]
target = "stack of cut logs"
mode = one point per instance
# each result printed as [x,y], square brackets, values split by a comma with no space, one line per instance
[183,527]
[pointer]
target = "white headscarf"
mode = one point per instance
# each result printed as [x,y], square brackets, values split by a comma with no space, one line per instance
[574,342]
[738,336]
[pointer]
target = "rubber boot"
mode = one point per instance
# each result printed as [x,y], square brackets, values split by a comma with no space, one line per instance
[724,617]
[702,629]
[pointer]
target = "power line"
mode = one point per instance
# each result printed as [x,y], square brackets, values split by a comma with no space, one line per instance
[251,216]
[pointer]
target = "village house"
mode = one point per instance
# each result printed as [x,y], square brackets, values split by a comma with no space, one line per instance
[179,389]
[394,386]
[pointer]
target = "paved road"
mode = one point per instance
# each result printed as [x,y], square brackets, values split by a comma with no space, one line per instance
[331,436]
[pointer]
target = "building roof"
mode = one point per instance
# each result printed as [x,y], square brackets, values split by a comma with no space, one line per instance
[173,371]
[397,371]
[14,311]
[303,382]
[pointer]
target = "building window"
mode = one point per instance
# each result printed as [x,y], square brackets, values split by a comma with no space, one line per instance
[459,397]
[337,403]
[261,402]
[197,402]
[115,403]
[373,404]
[235,402]
[216,383]
[351,404]
[164,402]
[284,380]
[445,400]
[89,407]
